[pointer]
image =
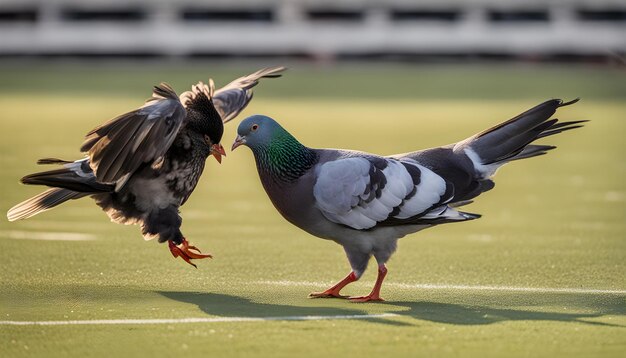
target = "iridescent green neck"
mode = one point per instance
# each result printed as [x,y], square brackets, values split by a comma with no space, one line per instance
[283,157]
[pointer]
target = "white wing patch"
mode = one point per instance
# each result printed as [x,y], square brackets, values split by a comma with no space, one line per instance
[399,184]
[348,191]
[427,193]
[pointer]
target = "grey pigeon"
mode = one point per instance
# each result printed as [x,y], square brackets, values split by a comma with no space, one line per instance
[366,202]
[143,165]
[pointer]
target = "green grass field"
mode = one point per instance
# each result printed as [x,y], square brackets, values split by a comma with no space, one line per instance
[552,241]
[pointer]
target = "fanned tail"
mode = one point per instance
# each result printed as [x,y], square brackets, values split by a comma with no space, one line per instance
[511,140]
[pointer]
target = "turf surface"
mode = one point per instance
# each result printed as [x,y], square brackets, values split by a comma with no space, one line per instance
[557,221]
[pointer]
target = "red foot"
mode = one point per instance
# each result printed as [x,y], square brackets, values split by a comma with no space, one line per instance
[368,298]
[375,294]
[333,292]
[326,294]
[184,250]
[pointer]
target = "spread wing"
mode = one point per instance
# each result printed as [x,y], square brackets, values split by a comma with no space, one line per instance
[234,97]
[119,147]
[364,192]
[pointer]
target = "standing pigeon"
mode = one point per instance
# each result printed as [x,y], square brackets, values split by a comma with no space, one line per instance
[366,202]
[143,165]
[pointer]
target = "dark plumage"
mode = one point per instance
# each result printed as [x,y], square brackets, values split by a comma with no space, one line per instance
[366,202]
[143,165]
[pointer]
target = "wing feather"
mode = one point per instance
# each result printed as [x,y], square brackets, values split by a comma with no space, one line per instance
[231,99]
[428,192]
[119,147]
[365,192]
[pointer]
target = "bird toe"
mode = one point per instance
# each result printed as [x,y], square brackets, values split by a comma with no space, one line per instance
[363,299]
[326,295]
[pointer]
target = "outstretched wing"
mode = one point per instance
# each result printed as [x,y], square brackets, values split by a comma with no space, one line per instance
[364,192]
[119,147]
[234,97]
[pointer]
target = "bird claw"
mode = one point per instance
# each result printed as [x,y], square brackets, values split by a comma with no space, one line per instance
[326,294]
[368,298]
[184,250]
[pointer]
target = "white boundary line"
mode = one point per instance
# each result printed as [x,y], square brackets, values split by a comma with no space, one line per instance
[428,286]
[309,318]
[47,236]
[193,320]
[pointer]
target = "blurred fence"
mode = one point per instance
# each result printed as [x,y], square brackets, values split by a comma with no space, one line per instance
[316,28]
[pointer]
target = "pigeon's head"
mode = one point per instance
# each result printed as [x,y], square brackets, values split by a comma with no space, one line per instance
[257,131]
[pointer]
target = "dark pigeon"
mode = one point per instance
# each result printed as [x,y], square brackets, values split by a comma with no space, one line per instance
[366,202]
[143,165]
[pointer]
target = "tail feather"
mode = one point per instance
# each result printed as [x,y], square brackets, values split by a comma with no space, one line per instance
[520,123]
[561,127]
[42,202]
[511,140]
[61,178]
[44,161]
[469,165]
[510,147]
[75,176]
[533,150]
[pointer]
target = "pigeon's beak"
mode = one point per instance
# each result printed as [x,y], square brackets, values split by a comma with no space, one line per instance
[217,151]
[238,141]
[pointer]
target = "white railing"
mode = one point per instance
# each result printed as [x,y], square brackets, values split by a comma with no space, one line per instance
[312,28]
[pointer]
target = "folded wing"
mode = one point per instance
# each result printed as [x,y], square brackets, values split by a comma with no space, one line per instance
[365,192]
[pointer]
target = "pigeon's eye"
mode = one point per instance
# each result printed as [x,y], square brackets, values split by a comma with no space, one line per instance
[254,127]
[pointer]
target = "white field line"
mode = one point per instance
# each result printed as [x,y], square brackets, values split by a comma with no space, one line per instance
[47,236]
[192,320]
[308,318]
[428,286]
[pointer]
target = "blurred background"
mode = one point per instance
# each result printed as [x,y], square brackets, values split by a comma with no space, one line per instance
[317,29]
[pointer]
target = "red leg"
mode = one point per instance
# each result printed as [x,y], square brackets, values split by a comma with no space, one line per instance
[375,294]
[184,250]
[334,291]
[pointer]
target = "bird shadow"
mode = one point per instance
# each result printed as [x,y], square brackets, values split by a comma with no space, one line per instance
[463,310]
[481,308]
[222,305]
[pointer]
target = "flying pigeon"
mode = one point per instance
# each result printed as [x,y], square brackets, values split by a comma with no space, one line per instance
[143,165]
[366,202]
